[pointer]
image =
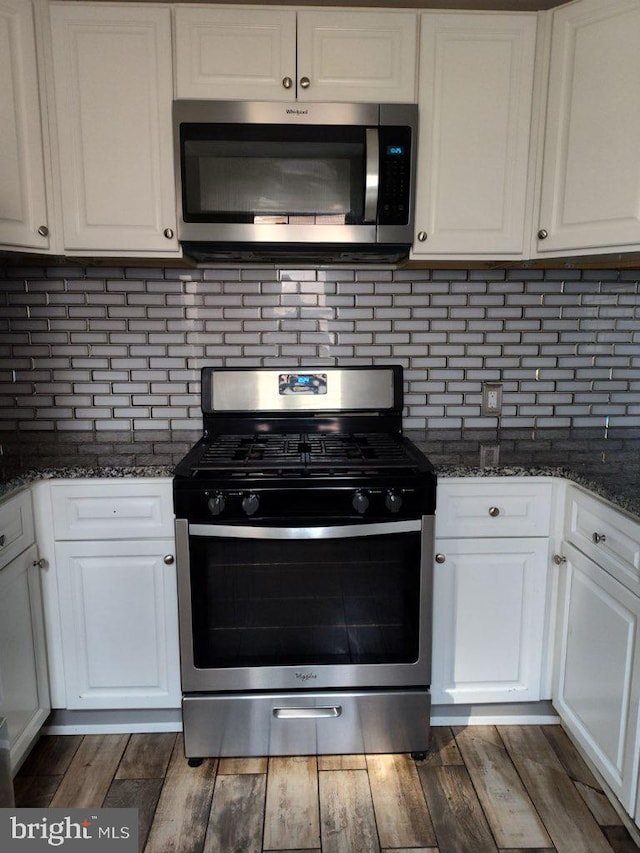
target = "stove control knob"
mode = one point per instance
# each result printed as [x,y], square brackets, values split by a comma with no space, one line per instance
[393,502]
[216,504]
[360,502]
[250,503]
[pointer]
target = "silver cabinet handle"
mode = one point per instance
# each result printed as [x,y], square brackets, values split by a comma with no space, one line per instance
[422,236]
[305,82]
[597,538]
[168,233]
[543,234]
[307,713]
[287,82]
[168,559]
[43,231]
[559,559]
[40,564]
[441,558]
[494,512]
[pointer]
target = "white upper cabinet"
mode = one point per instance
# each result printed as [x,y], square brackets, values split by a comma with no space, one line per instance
[475,97]
[279,54]
[238,53]
[113,90]
[357,56]
[590,195]
[23,211]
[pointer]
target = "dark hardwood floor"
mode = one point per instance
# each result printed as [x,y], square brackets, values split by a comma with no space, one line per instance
[481,789]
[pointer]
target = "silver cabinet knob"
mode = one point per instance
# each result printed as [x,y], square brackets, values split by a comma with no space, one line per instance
[441,558]
[168,559]
[559,560]
[597,538]
[305,82]
[543,234]
[2,539]
[422,236]
[287,82]
[168,233]
[43,231]
[494,512]
[40,564]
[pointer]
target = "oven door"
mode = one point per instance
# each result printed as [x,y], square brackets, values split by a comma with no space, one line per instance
[286,608]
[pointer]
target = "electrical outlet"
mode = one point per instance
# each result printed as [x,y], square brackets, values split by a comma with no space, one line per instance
[491,398]
[489,455]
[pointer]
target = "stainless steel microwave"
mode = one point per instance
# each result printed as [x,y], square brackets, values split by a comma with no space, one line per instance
[316,181]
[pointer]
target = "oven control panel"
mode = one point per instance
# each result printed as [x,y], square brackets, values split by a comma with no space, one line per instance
[229,505]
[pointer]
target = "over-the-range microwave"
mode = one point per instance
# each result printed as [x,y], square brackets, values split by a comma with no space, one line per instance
[314,181]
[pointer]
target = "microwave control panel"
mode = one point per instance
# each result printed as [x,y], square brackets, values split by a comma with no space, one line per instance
[395,175]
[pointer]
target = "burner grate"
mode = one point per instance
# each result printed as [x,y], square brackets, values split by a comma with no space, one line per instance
[313,452]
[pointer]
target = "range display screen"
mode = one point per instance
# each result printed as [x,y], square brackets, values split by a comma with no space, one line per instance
[302,383]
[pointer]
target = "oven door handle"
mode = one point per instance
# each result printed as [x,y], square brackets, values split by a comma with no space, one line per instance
[233,531]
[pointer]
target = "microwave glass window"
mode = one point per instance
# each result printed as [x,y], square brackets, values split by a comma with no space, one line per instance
[248,176]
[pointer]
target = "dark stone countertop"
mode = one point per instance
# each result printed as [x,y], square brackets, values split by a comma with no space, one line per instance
[607,463]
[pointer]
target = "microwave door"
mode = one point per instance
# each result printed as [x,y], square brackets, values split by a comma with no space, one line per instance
[372,178]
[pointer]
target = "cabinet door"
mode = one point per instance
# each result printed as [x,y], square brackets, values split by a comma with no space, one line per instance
[113,86]
[118,606]
[24,692]
[598,682]
[590,198]
[475,93]
[488,620]
[357,56]
[22,198]
[245,54]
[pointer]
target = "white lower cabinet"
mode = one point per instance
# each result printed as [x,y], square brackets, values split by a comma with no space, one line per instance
[119,624]
[117,593]
[489,619]
[598,685]
[490,590]
[24,689]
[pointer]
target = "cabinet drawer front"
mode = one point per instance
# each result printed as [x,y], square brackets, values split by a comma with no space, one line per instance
[113,510]
[610,538]
[16,527]
[493,509]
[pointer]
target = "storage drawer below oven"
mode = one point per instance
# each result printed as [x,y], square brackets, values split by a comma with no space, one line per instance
[306,723]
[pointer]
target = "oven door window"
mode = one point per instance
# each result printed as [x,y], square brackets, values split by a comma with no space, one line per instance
[308,601]
[273,174]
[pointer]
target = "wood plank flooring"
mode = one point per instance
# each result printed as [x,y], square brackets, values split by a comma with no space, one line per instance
[481,789]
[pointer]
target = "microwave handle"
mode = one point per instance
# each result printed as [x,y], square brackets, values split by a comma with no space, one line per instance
[373,174]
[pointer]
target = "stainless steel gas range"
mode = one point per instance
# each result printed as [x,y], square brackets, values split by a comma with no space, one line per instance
[305,544]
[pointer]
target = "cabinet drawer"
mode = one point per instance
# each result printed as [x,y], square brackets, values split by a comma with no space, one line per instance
[16,527]
[493,509]
[121,510]
[609,537]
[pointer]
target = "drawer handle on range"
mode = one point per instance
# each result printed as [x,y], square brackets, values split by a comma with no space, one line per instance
[307,713]
[494,512]
[598,538]
[168,559]
[441,558]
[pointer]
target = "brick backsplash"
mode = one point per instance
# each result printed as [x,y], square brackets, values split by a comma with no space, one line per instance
[121,348]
